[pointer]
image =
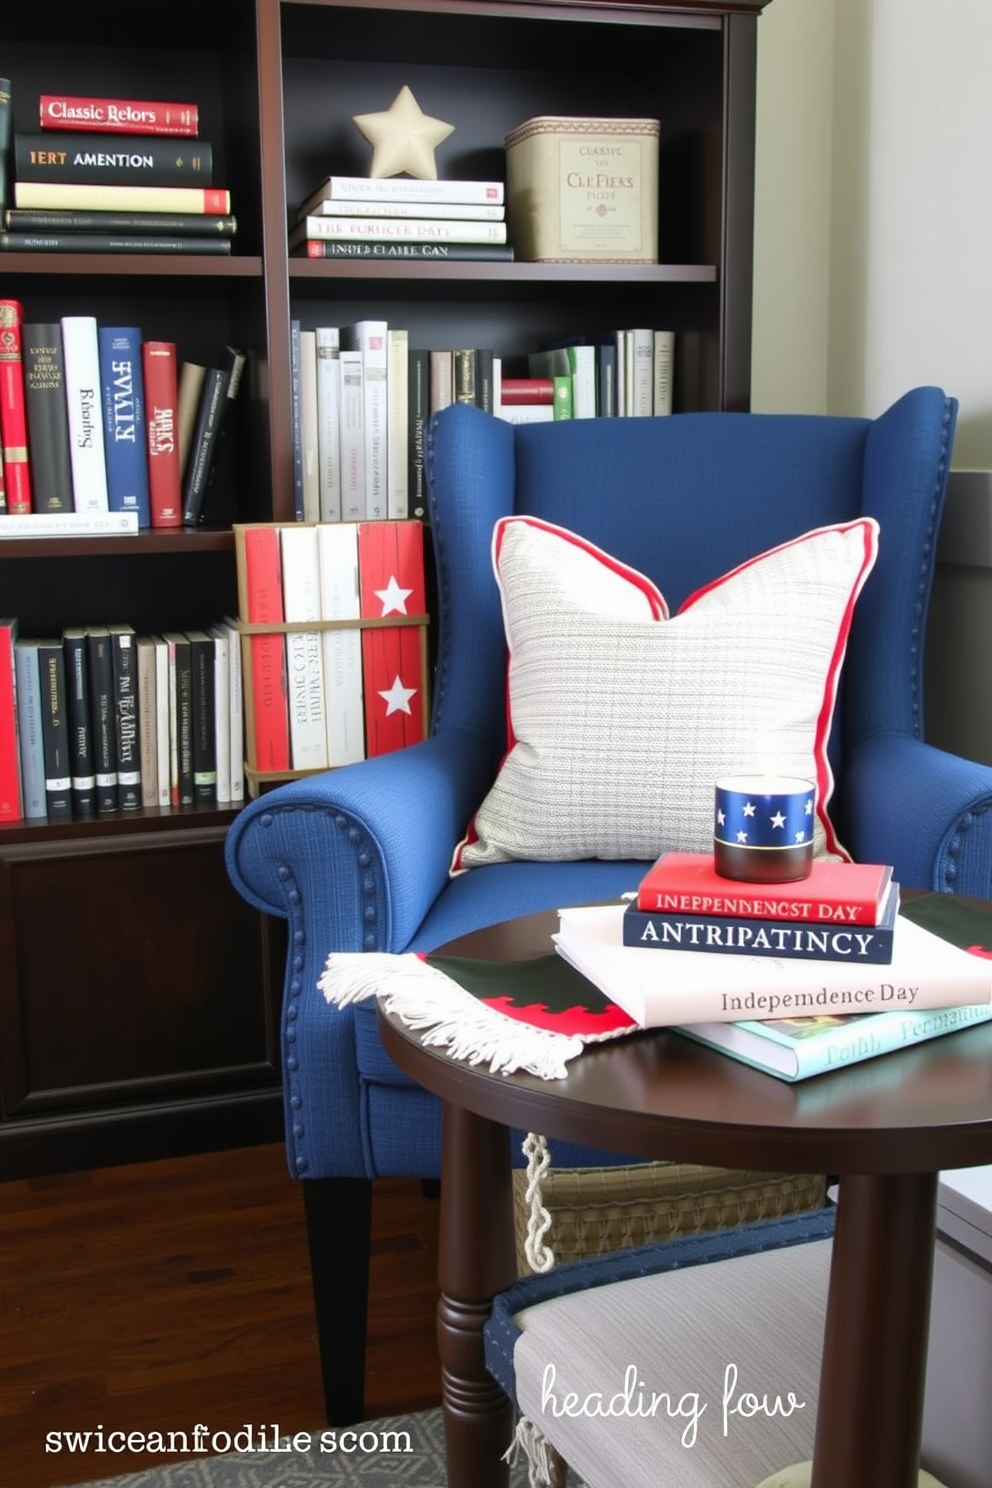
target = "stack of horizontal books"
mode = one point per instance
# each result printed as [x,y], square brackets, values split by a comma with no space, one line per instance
[795,979]
[396,218]
[105,175]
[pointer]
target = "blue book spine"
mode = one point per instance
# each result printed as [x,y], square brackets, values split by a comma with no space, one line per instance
[30,740]
[124,432]
[865,945]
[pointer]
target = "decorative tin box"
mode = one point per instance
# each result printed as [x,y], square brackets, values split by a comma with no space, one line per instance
[583,190]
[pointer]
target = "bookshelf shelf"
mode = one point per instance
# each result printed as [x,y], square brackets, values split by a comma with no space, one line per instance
[277,83]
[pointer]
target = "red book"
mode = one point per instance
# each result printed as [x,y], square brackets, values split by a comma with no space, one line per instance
[514,390]
[13,409]
[845,893]
[117,115]
[10,780]
[161,377]
[269,722]
[391,583]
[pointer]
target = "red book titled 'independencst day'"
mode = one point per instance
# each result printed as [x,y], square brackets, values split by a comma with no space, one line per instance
[842,893]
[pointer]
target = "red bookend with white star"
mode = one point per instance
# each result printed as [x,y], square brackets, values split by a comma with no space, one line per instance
[391,581]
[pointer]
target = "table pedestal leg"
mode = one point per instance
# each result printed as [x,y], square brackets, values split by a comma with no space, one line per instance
[872,1382]
[476,1261]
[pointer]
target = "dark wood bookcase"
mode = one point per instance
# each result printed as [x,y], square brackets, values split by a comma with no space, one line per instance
[139,995]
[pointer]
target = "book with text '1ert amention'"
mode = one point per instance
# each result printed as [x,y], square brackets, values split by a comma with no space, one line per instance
[688,883]
[661,988]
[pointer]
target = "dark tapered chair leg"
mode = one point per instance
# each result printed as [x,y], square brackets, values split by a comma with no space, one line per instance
[339,1226]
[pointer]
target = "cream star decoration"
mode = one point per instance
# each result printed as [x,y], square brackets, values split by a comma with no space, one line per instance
[397,698]
[749,808]
[778,820]
[393,597]
[403,138]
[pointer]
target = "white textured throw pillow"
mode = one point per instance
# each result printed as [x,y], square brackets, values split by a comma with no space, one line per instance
[621,719]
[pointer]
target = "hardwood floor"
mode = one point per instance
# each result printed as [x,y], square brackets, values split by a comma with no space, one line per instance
[161,1295]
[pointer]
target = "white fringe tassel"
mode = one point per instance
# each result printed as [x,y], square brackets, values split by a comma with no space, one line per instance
[426,998]
[546,1468]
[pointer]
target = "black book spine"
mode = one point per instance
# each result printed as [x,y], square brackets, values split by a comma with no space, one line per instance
[184,719]
[484,391]
[55,729]
[124,656]
[6,129]
[148,160]
[69,242]
[152,224]
[81,758]
[48,417]
[220,390]
[102,716]
[204,738]
[419,395]
[327,248]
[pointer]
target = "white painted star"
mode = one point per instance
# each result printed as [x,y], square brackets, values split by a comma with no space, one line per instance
[403,138]
[809,806]
[720,818]
[800,836]
[393,597]
[397,698]
[741,836]
[778,820]
[749,809]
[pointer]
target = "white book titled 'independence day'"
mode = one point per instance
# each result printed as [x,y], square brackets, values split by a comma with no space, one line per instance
[660,988]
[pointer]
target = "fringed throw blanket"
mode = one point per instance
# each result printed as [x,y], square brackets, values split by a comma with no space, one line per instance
[512,1015]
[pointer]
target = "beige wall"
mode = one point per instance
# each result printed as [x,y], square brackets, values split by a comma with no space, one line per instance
[873,269]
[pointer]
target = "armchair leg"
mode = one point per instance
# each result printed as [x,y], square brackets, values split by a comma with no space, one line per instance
[339,1224]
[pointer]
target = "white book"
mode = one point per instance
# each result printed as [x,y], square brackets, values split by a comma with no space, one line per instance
[398,427]
[396,230]
[339,600]
[463,211]
[623,371]
[666,988]
[526,413]
[497,382]
[162,730]
[328,343]
[81,353]
[664,371]
[640,371]
[400,188]
[352,436]
[371,338]
[147,719]
[236,710]
[70,524]
[304,655]
[222,711]
[308,426]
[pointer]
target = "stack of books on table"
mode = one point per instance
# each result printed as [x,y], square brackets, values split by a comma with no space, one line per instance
[795,979]
[396,218]
[104,175]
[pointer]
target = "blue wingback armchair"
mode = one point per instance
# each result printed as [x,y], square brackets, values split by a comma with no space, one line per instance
[357,859]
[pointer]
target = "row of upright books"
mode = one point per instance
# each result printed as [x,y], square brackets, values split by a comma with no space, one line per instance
[363,396]
[333,619]
[395,218]
[796,979]
[99,720]
[108,175]
[103,429]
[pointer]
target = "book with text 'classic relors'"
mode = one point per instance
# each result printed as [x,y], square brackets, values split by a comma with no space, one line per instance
[805,940]
[117,115]
[660,988]
[688,883]
[122,159]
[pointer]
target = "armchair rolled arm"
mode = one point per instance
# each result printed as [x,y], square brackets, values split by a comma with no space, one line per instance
[361,852]
[926,811]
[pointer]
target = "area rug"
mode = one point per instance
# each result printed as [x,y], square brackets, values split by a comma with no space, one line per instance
[394,1452]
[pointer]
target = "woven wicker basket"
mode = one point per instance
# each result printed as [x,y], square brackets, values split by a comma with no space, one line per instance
[595,1210]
